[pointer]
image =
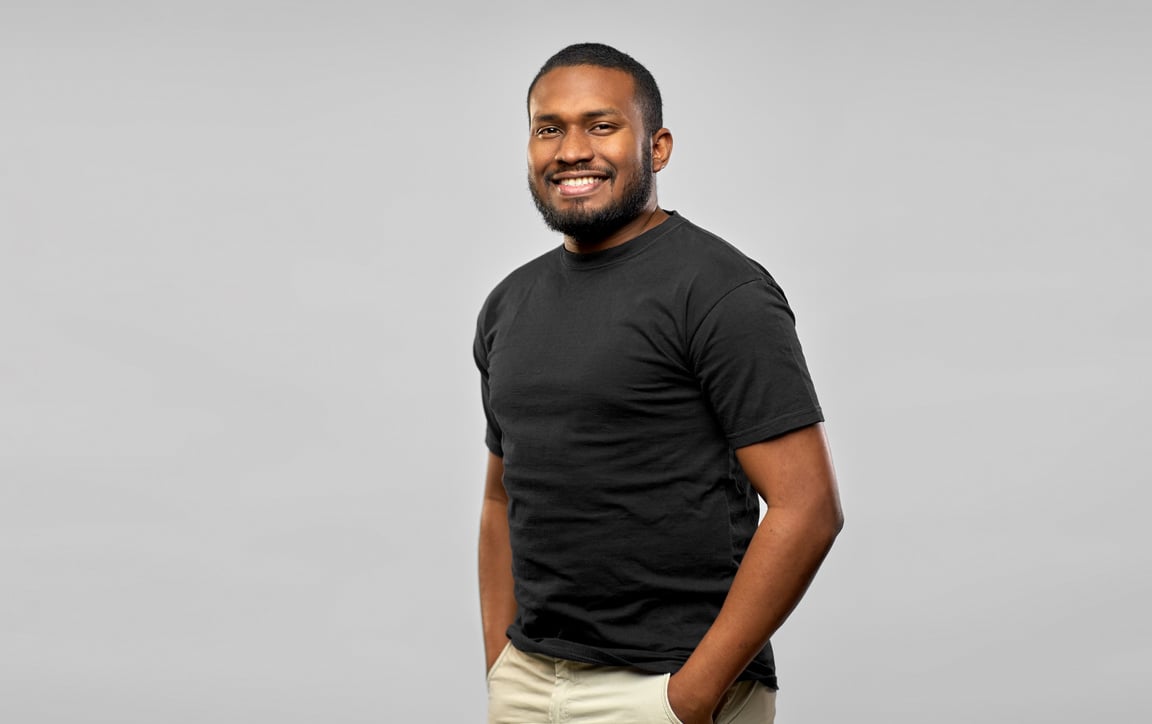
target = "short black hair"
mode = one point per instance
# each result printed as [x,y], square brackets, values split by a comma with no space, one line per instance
[605,56]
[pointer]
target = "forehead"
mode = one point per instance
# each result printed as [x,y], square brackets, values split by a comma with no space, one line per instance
[579,88]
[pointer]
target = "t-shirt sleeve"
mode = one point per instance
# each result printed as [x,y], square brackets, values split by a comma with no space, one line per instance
[492,435]
[747,356]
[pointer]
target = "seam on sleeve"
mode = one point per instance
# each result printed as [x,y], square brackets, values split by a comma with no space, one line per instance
[725,295]
[777,427]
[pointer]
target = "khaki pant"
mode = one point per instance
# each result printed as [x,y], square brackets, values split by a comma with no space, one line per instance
[528,688]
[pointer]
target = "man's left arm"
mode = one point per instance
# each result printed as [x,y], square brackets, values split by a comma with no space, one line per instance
[793,473]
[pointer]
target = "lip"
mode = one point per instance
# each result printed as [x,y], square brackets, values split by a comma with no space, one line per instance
[582,190]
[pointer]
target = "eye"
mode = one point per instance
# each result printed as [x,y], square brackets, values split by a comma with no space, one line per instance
[603,128]
[547,131]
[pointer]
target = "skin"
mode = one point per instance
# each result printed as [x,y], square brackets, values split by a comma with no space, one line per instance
[794,475]
[584,121]
[497,603]
[586,118]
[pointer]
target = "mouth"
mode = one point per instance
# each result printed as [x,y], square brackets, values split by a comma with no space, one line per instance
[578,183]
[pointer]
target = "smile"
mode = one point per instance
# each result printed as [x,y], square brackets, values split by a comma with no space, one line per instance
[579,185]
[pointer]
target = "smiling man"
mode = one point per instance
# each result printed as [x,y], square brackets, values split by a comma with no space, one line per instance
[644,389]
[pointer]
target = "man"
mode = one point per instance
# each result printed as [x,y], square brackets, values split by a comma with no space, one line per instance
[642,384]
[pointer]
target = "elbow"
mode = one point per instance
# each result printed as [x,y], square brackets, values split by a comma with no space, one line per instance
[837,521]
[830,523]
[820,525]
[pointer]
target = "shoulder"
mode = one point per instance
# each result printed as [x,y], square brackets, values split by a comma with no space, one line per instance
[512,289]
[712,265]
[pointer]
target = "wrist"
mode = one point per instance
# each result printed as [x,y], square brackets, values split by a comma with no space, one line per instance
[493,648]
[701,683]
[692,699]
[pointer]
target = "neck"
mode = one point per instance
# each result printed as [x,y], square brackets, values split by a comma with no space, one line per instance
[649,219]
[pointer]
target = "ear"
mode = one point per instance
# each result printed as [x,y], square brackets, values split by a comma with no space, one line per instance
[661,149]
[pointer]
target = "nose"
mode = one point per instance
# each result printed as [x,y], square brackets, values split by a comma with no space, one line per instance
[575,147]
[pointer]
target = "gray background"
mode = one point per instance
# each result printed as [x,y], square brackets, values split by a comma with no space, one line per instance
[242,246]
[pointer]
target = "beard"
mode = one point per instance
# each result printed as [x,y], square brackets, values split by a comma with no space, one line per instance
[591,225]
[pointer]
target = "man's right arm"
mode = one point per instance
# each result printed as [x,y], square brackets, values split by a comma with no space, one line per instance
[497,602]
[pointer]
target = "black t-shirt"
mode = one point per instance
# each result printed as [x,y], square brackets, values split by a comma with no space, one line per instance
[616,386]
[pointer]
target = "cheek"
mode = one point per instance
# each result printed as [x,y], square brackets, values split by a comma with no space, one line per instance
[626,157]
[537,164]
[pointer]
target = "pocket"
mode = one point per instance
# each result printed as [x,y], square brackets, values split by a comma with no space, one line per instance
[749,701]
[668,706]
[499,660]
[735,700]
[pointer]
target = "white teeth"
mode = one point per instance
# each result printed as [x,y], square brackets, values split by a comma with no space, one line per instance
[582,181]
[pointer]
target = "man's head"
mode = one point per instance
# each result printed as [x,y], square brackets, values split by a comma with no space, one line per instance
[605,56]
[595,142]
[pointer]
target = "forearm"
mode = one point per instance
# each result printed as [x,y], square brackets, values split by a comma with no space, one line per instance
[781,561]
[497,602]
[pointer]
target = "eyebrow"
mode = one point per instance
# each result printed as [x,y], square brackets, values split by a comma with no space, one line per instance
[587,115]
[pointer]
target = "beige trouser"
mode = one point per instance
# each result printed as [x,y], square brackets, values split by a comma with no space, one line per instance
[528,688]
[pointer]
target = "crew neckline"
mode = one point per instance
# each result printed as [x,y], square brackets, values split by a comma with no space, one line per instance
[620,252]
